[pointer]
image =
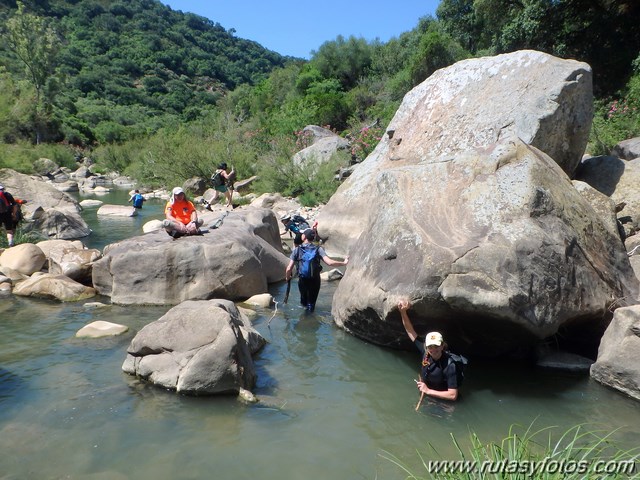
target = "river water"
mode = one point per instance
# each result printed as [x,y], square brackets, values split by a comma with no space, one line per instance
[334,407]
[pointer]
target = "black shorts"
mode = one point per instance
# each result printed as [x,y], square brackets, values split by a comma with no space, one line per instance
[7,220]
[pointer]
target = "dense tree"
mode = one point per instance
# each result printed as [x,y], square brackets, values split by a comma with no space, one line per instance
[109,51]
[460,20]
[345,60]
[436,50]
[603,33]
[35,44]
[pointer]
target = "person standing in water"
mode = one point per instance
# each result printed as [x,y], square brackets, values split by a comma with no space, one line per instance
[439,376]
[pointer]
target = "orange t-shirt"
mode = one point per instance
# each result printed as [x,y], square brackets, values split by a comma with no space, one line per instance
[180,210]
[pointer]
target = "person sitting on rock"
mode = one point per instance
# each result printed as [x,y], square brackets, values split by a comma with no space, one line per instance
[297,224]
[181,216]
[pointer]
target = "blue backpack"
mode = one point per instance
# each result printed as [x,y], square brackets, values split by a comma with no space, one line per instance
[308,261]
[137,200]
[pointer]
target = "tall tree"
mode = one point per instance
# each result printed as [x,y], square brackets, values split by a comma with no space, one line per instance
[436,50]
[36,44]
[345,60]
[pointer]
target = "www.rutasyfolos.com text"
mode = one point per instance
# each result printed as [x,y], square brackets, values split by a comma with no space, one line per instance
[546,465]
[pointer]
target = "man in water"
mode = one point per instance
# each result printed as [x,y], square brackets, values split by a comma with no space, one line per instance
[307,256]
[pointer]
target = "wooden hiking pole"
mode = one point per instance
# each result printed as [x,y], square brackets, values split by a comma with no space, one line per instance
[421,396]
[286,295]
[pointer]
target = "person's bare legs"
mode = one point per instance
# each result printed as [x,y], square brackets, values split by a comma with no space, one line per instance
[191,228]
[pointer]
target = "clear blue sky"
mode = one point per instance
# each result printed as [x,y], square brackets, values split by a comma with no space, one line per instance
[296,28]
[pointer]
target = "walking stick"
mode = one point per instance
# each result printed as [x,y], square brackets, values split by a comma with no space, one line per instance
[286,294]
[421,397]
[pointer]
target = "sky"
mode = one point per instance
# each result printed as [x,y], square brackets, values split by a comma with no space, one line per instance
[295,28]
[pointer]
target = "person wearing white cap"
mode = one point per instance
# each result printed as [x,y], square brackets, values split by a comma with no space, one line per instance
[8,214]
[438,376]
[181,216]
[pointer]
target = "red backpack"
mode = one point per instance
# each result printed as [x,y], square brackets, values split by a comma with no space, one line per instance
[4,204]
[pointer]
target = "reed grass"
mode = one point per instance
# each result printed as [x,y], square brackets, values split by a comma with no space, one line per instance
[578,453]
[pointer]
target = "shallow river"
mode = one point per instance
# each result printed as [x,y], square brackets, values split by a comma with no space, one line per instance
[334,407]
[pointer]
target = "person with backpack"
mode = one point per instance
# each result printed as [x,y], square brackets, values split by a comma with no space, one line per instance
[441,372]
[297,224]
[137,199]
[222,182]
[8,214]
[307,256]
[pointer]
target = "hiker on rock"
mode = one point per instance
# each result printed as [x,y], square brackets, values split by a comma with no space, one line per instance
[307,256]
[181,216]
[8,214]
[439,375]
[223,183]
[297,224]
[137,199]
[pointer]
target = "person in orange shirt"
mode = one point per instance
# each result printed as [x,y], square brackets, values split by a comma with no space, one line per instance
[181,216]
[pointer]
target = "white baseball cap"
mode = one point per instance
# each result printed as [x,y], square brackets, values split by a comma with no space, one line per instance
[433,338]
[177,190]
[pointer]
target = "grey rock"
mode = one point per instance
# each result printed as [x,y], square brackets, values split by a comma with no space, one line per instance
[198,348]
[618,363]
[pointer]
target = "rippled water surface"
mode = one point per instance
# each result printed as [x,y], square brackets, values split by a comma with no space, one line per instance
[333,406]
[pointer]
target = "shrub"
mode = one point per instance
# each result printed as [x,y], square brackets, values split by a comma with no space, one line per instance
[21,235]
[577,454]
[312,183]
[616,120]
[21,156]
[364,141]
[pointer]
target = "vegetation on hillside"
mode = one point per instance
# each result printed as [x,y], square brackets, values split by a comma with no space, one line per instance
[163,95]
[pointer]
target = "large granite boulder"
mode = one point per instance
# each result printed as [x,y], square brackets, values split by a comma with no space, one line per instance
[322,151]
[37,192]
[108,210]
[495,247]
[55,247]
[75,263]
[60,224]
[235,261]
[25,258]
[618,179]
[627,149]
[198,348]
[543,100]
[50,212]
[618,363]
[55,287]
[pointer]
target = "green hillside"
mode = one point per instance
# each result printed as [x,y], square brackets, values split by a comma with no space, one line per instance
[123,68]
[163,96]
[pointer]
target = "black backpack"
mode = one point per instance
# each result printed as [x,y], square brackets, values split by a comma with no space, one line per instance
[460,361]
[217,180]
